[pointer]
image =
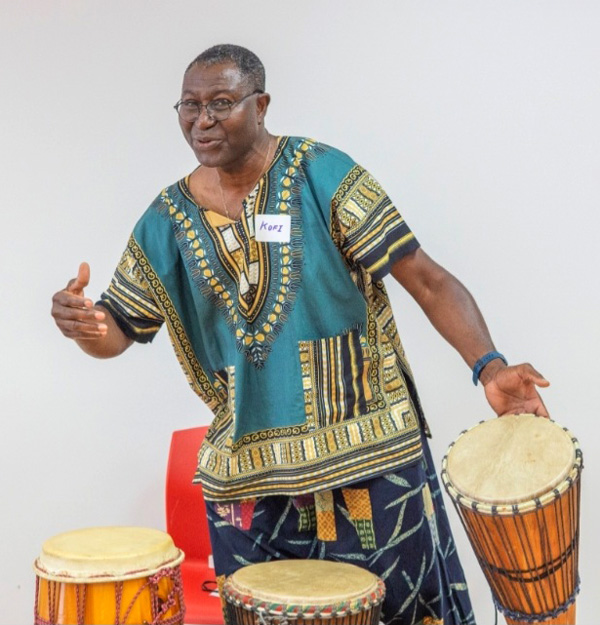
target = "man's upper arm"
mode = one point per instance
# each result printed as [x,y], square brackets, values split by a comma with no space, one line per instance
[418,274]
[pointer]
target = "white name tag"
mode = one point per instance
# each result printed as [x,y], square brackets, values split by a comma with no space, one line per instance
[272,228]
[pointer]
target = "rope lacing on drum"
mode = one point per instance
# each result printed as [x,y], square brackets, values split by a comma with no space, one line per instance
[159,607]
[271,619]
[536,618]
[175,593]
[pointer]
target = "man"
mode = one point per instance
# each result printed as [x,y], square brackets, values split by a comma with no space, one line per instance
[266,265]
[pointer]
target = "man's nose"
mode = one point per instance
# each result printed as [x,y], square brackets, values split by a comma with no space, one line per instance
[204,119]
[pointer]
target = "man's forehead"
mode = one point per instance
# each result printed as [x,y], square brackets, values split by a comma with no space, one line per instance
[219,76]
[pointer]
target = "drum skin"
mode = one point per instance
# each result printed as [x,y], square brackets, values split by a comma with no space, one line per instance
[526,539]
[98,576]
[303,592]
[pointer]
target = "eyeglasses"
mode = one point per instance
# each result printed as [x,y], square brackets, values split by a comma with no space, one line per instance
[218,110]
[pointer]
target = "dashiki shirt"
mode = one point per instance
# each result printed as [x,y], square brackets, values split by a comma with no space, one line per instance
[291,342]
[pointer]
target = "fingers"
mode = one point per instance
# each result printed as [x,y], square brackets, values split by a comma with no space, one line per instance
[542,411]
[81,281]
[529,374]
[536,407]
[77,318]
[68,306]
[68,300]
[82,330]
[513,391]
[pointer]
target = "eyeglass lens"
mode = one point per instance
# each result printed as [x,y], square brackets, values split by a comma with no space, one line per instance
[190,111]
[219,110]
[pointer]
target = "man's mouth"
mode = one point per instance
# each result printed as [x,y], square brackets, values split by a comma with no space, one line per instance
[206,142]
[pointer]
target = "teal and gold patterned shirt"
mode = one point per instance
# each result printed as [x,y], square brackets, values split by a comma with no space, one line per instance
[291,343]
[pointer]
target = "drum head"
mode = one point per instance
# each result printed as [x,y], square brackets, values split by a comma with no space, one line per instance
[510,459]
[104,554]
[307,582]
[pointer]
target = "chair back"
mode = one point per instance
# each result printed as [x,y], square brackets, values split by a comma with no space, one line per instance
[186,512]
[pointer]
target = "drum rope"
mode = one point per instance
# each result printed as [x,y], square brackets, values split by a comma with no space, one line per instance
[80,598]
[536,603]
[528,551]
[37,619]
[52,611]
[53,601]
[537,573]
[562,547]
[175,594]
[536,618]
[158,610]
[140,590]
[118,597]
[268,620]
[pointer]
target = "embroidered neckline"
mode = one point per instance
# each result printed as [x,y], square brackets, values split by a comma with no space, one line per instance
[252,284]
[185,185]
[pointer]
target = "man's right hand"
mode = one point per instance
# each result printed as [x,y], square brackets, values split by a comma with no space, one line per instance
[93,328]
[75,314]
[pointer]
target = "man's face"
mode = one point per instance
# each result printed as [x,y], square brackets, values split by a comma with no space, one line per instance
[222,143]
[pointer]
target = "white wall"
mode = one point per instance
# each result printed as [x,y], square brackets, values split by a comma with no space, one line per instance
[479,117]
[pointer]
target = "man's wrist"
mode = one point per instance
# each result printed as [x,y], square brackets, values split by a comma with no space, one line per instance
[487,366]
[489,371]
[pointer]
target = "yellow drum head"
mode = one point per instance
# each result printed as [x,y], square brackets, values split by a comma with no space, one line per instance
[510,459]
[102,554]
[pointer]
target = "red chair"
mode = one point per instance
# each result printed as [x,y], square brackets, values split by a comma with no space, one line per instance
[188,527]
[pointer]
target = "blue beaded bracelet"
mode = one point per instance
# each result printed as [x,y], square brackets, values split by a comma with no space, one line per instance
[483,361]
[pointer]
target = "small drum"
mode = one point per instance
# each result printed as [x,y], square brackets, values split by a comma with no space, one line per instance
[515,483]
[298,592]
[108,575]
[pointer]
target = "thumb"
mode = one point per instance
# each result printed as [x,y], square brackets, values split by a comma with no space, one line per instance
[82,279]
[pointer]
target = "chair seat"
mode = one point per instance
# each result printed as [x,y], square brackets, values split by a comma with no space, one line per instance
[201,607]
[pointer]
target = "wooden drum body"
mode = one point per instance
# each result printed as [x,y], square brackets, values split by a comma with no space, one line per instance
[515,483]
[303,592]
[98,576]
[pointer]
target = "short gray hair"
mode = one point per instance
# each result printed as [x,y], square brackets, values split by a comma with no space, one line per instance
[248,64]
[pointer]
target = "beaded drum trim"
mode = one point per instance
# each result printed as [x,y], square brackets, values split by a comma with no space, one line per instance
[304,611]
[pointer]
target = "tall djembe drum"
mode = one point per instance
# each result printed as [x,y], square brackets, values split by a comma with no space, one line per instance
[514,481]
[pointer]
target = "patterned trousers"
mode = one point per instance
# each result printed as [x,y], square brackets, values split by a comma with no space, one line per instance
[394,525]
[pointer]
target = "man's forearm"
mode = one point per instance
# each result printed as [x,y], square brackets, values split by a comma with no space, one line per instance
[447,303]
[113,343]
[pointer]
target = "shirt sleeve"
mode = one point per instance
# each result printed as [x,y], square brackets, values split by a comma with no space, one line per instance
[371,231]
[130,301]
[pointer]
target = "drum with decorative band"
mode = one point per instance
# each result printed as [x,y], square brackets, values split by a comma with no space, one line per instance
[104,575]
[303,592]
[515,482]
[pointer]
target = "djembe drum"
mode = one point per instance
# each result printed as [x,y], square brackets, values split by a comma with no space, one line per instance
[515,483]
[98,576]
[303,592]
